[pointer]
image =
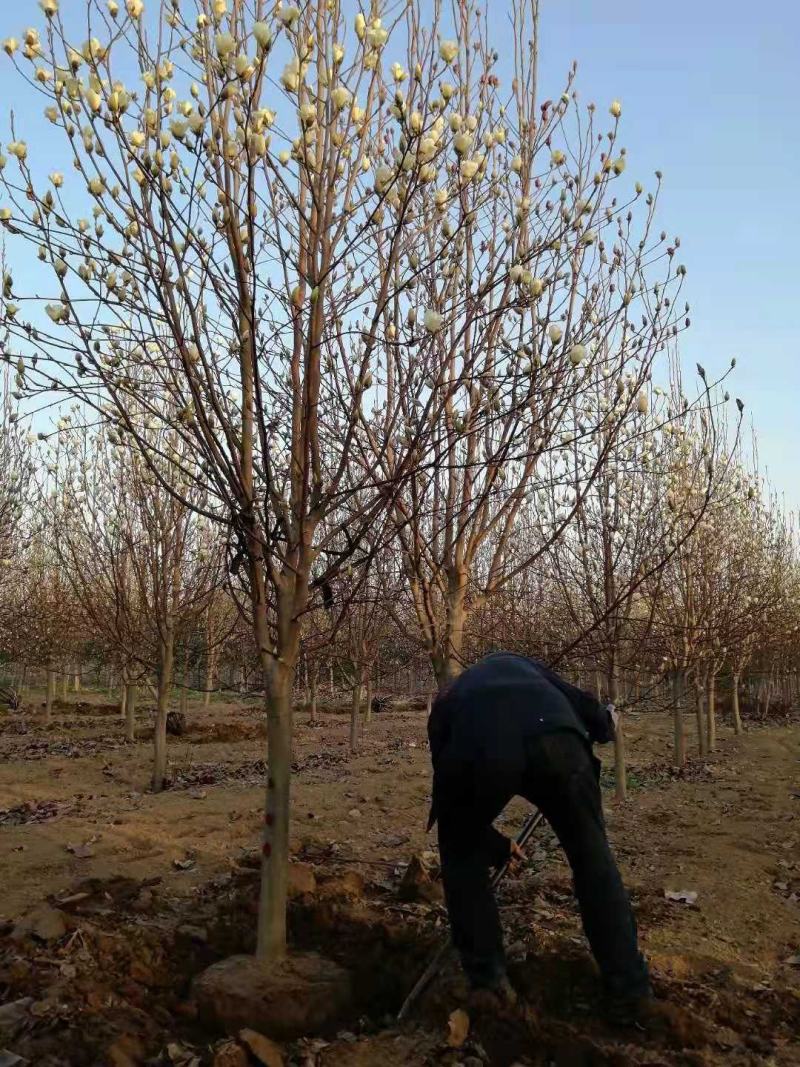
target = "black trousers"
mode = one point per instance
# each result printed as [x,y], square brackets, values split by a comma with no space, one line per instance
[560,777]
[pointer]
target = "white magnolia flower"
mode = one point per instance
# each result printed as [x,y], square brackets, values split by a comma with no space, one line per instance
[557,157]
[448,50]
[577,354]
[134,8]
[113,8]
[18,149]
[642,403]
[50,7]
[262,34]
[5,214]
[341,97]
[225,44]
[290,78]
[462,143]
[516,164]
[10,45]
[616,108]
[57,178]
[377,36]
[288,15]
[360,26]
[57,312]
[554,332]
[469,168]
[432,321]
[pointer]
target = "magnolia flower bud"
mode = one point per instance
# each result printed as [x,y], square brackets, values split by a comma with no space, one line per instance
[10,45]
[284,156]
[448,50]
[616,108]
[619,165]
[50,7]
[554,332]
[18,149]
[113,8]
[642,403]
[432,321]
[360,26]
[57,178]
[96,186]
[557,157]
[5,214]
[577,354]
[134,8]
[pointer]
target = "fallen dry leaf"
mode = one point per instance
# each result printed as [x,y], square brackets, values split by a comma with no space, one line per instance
[458,1028]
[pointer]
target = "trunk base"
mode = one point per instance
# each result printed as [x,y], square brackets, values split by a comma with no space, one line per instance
[298,995]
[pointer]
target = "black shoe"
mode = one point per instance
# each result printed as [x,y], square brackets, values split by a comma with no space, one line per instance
[626,1010]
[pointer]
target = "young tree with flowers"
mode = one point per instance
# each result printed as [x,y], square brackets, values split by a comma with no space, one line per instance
[260,186]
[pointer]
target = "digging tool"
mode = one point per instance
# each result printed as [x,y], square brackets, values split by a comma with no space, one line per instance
[441,954]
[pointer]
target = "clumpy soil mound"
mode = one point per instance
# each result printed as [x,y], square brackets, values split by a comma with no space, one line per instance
[299,995]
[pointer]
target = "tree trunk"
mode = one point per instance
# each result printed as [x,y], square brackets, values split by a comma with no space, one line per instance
[333,690]
[711,712]
[700,712]
[65,684]
[211,670]
[598,685]
[77,680]
[355,711]
[368,708]
[679,733]
[313,706]
[620,768]
[271,940]
[737,717]
[165,658]
[130,711]
[51,694]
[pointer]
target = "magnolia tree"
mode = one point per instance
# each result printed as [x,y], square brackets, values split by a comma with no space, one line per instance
[15,473]
[280,227]
[136,557]
[543,278]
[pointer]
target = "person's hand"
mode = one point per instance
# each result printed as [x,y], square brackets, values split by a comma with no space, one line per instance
[516,858]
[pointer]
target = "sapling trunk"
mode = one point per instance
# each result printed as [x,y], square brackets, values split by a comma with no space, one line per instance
[271,938]
[130,711]
[679,733]
[737,717]
[165,660]
[51,694]
[355,711]
[368,708]
[64,685]
[700,712]
[711,712]
[620,767]
[313,705]
[77,680]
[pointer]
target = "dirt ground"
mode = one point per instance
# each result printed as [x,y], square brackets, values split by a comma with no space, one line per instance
[148,890]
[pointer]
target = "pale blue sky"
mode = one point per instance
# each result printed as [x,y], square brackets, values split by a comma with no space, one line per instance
[711,96]
[710,93]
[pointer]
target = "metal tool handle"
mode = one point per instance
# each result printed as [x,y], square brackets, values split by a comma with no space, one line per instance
[439,957]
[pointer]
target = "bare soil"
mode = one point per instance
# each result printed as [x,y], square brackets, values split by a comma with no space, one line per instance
[151,889]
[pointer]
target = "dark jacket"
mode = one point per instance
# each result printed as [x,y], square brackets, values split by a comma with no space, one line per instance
[480,725]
